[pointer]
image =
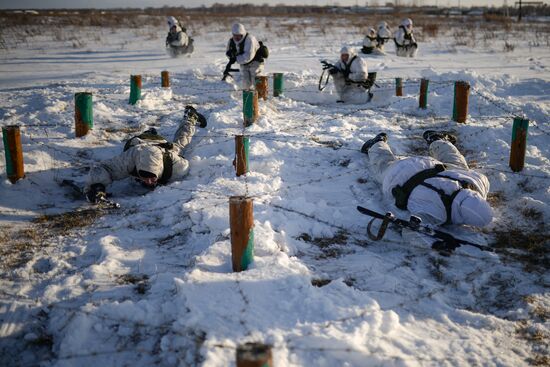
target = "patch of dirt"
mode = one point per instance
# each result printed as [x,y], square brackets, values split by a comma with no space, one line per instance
[496,198]
[331,247]
[531,248]
[141,282]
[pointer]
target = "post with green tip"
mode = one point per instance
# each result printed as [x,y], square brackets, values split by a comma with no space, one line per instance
[277,84]
[254,355]
[135,88]
[460,105]
[399,87]
[11,136]
[250,107]
[242,144]
[519,144]
[83,113]
[423,98]
[241,220]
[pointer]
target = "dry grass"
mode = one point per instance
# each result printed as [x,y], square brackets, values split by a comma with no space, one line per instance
[529,247]
[18,247]
[331,247]
[496,198]
[283,24]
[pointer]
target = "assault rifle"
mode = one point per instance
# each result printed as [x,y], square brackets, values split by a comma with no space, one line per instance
[228,69]
[446,243]
[101,199]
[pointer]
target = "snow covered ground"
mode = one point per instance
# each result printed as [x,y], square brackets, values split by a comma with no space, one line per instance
[151,283]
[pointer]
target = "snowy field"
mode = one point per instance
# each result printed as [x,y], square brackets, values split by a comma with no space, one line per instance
[151,283]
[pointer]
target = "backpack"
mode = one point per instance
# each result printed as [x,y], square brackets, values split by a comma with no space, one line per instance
[150,137]
[261,54]
[263,51]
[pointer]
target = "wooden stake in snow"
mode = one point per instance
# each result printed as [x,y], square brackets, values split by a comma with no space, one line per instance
[242,144]
[277,84]
[135,88]
[241,220]
[14,152]
[165,79]
[423,99]
[250,107]
[399,87]
[519,144]
[460,105]
[254,355]
[262,86]
[83,113]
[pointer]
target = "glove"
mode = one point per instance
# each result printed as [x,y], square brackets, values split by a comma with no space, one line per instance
[333,70]
[95,193]
[231,55]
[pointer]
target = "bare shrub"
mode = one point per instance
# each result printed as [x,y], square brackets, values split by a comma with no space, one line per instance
[509,47]
[431,29]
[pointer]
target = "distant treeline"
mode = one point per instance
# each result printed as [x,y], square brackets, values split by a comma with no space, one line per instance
[134,17]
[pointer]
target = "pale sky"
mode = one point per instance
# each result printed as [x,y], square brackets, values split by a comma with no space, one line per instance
[45,4]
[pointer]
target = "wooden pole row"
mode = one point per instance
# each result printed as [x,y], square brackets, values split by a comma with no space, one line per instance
[460,100]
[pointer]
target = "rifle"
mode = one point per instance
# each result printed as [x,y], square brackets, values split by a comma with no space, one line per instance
[77,190]
[446,242]
[228,69]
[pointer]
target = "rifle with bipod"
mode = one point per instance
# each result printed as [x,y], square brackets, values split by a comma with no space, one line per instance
[446,242]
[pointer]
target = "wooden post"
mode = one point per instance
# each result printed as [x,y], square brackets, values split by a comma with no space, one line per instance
[165,79]
[277,84]
[135,88]
[254,355]
[423,98]
[250,107]
[460,105]
[83,113]
[519,144]
[14,152]
[262,86]
[241,219]
[399,87]
[242,144]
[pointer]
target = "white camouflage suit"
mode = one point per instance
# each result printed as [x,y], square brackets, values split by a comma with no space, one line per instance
[177,43]
[383,35]
[249,69]
[468,207]
[405,43]
[358,73]
[145,155]
[369,42]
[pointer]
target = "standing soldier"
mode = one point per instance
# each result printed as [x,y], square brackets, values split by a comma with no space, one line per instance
[245,49]
[405,43]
